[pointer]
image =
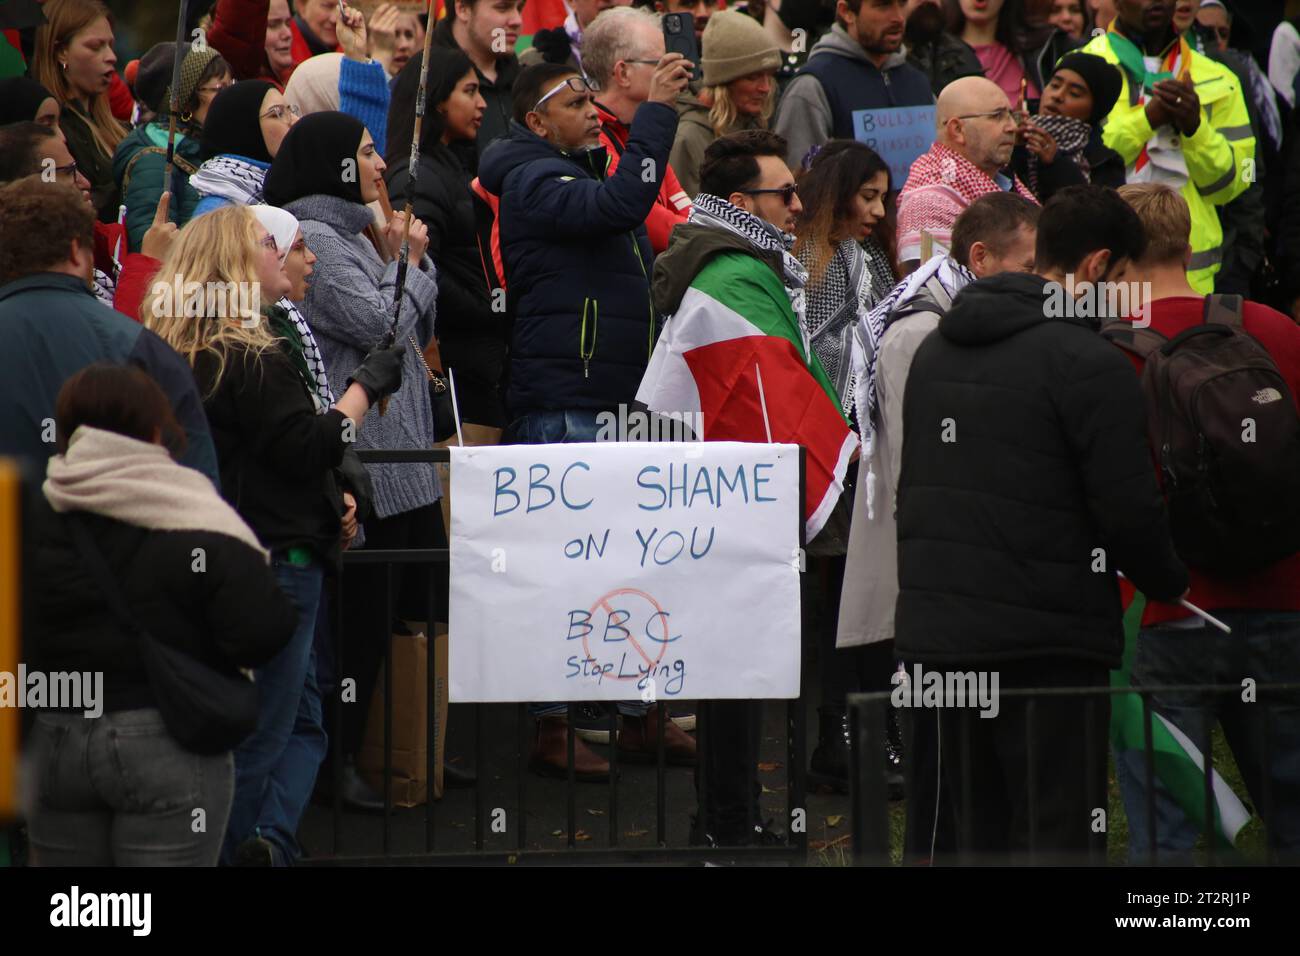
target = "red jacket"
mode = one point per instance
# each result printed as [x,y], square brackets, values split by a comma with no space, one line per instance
[672,206]
[238,33]
[1276,587]
[301,49]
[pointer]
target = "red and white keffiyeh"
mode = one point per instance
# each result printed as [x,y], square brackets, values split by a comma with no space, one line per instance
[939,186]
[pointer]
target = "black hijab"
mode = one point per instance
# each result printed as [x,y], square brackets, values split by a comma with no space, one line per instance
[234,121]
[312,159]
[20,98]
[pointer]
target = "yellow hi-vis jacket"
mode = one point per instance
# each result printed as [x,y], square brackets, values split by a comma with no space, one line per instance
[1220,155]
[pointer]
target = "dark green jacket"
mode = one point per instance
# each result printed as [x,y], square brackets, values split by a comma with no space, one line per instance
[138,166]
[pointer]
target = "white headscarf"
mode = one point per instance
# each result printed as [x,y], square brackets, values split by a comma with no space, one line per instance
[282,226]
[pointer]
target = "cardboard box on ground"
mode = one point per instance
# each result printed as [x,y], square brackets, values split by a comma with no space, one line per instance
[410,718]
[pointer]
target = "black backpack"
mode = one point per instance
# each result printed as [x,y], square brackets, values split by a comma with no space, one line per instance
[1224,429]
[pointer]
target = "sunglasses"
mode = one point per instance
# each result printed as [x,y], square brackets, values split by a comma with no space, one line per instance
[787,193]
[578,84]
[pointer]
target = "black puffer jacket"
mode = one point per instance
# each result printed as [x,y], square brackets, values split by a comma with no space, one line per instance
[230,614]
[1046,460]
[471,336]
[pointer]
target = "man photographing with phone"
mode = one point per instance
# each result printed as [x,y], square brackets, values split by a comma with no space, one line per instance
[577,261]
[621,51]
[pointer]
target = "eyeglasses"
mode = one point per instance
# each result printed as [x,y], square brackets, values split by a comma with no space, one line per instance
[280,110]
[787,193]
[1001,115]
[68,170]
[579,84]
[650,62]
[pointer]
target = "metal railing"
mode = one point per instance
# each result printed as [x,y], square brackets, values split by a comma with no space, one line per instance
[792,851]
[873,839]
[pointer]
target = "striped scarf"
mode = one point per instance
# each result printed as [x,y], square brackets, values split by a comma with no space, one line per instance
[1176,61]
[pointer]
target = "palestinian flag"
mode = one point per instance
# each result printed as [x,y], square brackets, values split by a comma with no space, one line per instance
[1178,762]
[734,323]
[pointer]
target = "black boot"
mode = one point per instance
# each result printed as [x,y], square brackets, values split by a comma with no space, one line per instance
[830,759]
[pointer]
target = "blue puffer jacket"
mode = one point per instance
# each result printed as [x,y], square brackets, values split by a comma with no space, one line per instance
[577,263]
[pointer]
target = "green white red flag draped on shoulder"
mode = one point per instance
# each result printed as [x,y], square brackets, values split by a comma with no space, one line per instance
[734,320]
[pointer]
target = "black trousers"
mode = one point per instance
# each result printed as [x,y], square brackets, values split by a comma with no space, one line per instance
[1027,784]
[375,600]
[728,799]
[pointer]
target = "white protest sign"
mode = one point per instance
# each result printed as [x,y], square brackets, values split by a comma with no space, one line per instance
[624,571]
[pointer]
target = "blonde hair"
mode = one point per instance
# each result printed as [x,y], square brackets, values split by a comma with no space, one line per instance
[64,20]
[218,251]
[724,116]
[1165,218]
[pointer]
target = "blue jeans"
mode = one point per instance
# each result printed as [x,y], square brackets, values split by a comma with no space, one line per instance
[275,768]
[118,790]
[1263,646]
[554,428]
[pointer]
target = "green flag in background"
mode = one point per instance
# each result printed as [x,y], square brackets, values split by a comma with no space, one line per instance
[1179,766]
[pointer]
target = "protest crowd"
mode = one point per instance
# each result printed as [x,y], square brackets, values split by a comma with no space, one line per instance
[1001,460]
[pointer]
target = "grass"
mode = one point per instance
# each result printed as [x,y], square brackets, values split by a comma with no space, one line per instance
[1250,841]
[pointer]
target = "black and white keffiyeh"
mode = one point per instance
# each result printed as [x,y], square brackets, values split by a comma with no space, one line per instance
[322,394]
[867,335]
[759,233]
[230,177]
[1071,137]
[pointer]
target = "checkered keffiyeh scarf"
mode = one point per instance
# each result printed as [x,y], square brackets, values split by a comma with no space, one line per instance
[868,333]
[1071,137]
[939,186]
[762,235]
[322,394]
[230,178]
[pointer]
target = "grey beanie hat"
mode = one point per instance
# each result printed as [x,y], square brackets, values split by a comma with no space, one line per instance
[736,45]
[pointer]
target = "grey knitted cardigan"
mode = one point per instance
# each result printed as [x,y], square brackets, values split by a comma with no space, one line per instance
[349,307]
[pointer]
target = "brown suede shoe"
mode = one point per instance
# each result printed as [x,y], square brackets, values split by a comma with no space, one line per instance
[550,756]
[640,735]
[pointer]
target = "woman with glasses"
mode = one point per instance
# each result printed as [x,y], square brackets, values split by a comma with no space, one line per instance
[243,131]
[140,160]
[278,460]
[74,60]
[349,306]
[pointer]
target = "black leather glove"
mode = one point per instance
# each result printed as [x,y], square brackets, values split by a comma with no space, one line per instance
[380,372]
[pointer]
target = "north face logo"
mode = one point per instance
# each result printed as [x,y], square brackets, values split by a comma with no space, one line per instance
[1266,396]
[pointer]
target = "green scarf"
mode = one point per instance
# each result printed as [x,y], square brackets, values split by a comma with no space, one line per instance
[281,325]
[1131,58]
